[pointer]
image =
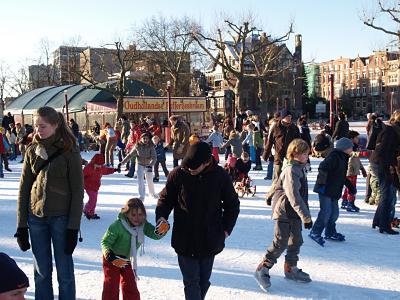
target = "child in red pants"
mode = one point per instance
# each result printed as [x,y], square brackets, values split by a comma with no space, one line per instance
[120,243]
[92,173]
[353,170]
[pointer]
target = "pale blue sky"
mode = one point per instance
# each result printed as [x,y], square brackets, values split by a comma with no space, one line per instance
[330,29]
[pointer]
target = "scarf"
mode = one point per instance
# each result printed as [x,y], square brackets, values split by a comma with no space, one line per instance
[137,235]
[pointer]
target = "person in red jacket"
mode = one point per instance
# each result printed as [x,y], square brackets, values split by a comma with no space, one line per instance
[92,173]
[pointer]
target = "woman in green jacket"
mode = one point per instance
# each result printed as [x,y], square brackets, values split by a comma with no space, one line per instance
[50,202]
[119,246]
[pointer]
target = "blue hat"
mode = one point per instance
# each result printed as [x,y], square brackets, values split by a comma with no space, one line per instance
[11,276]
[344,143]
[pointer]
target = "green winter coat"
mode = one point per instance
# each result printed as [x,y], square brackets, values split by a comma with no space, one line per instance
[58,188]
[118,240]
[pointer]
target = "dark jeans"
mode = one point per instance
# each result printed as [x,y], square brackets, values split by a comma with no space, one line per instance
[259,152]
[45,233]
[164,167]
[196,273]
[386,208]
[228,151]
[132,167]
[270,169]
[368,189]
[327,216]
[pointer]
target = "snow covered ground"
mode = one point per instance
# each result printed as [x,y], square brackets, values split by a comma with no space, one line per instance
[365,266]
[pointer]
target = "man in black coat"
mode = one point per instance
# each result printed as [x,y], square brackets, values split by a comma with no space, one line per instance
[280,136]
[341,128]
[206,207]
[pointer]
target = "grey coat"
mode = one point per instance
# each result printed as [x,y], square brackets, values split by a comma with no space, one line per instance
[290,200]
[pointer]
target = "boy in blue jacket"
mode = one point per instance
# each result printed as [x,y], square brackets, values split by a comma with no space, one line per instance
[329,185]
[158,144]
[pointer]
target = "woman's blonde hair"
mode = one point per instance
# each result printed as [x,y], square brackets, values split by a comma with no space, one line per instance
[134,203]
[297,146]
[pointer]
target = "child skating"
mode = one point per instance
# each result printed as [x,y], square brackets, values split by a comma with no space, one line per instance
[290,210]
[329,185]
[119,247]
[92,173]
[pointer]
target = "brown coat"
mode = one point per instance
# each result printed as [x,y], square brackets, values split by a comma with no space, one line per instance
[179,139]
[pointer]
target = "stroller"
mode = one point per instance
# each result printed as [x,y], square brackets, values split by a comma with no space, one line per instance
[244,185]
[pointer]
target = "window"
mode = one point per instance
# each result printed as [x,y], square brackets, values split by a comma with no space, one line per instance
[358,76]
[364,90]
[364,75]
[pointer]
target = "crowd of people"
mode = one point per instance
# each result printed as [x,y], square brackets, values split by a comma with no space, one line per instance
[52,185]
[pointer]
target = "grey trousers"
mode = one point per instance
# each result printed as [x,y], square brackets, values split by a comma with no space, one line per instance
[287,235]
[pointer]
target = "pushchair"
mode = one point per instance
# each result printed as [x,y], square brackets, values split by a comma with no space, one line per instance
[244,185]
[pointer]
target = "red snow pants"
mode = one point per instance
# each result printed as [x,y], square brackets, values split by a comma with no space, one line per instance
[113,276]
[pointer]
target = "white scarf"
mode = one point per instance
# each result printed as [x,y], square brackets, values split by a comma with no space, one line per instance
[137,235]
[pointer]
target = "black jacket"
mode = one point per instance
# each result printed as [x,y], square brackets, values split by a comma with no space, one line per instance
[341,130]
[376,128]
[387,148]
[204,207]
[332,174]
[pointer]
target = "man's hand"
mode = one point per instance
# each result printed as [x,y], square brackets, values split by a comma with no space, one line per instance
[308,225]
[162,227]
[149,169]
[321,189]
[364,173]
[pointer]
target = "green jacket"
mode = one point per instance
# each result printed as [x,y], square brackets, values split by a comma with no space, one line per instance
[58,188]
[118,239]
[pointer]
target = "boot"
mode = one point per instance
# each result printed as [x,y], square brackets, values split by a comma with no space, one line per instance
[296,274]
[262,275]
[344,204]
[351,207]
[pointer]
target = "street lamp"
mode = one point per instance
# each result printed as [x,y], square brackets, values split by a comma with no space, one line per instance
[391,102]
[66,104]
[168,129]
[331,78]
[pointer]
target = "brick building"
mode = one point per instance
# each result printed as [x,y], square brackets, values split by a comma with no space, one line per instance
[364,84]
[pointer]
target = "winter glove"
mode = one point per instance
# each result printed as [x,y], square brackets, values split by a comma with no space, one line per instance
[268,201]
[71,239]
[118,169]
[308,225]
[162,227]
[149,169]
[364,173]
[22,236]
[321,189]
[118,261]
[165,149]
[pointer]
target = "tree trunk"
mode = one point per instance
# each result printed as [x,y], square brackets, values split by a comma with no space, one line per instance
[120,97]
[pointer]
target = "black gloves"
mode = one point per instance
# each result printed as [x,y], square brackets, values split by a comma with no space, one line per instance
[149,169]
[71,239]
[308,225]
[22,236]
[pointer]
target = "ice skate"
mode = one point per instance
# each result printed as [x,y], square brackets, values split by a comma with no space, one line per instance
[296,274]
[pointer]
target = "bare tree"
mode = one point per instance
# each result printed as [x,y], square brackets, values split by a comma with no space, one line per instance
[387,10]
[46,59]
[111,63]
[235,70]
[4,77]
[19,82]
[170,47]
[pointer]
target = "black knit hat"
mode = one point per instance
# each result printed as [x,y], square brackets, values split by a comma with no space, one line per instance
[285,113]
[11,276]
[321,142]
[196,155]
